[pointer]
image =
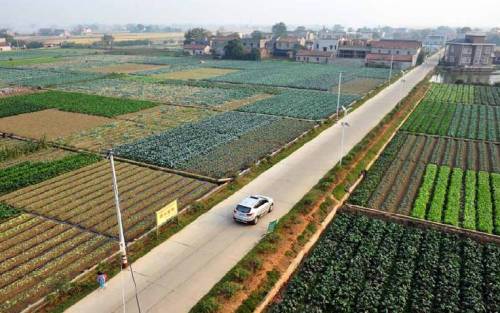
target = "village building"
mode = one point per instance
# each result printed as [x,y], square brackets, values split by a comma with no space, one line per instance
[218,43]
[321,57]
[326,45]
[469,53]
[399,54]
[353,48]
[286,46]
[196,49]
[496,57]
[4,45]
[260,44]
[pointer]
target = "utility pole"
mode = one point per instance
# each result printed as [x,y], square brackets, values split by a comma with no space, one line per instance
[343,125]
[338,95]
[390,70]
[123,249]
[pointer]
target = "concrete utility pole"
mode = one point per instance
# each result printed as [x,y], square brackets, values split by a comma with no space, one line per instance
[390,70]
[343,125]
[123,249]
[338,95]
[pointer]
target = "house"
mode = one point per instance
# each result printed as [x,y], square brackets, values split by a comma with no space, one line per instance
[325,45]
[4,45]
[353,48]
[286,46]
[261,44]
[196,49]
[496,57]
[218,43]
[400,54]
[307,56]
[469,53]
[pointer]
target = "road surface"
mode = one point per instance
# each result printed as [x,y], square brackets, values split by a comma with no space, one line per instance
[179,272]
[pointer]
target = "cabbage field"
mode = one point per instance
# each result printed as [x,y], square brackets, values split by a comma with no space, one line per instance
[363,264]
[42,78]
[313,105]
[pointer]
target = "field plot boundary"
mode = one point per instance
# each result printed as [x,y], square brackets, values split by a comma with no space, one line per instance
[426,224]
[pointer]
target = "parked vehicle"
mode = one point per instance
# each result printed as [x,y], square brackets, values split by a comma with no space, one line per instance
[251,209]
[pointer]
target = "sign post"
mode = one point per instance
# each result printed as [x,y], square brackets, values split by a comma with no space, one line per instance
[272,226]
[165,214]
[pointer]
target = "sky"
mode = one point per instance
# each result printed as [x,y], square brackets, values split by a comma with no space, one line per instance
[397,13]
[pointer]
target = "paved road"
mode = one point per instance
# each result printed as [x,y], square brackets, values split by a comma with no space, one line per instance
[179,272]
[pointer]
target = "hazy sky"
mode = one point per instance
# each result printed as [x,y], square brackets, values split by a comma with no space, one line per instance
[419,13]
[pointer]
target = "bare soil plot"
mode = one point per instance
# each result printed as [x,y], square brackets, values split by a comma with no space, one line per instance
[360,86]
[37,254]
[236,104]
[134,126]
[50,124]
[45,155]
[85,198]
[125,68]
[198,73]
[12,91]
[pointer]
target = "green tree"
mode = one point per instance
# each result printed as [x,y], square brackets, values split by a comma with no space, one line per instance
[34,45]
[234,50]
[257,35]
[107,41]
[196,35]
[279,29]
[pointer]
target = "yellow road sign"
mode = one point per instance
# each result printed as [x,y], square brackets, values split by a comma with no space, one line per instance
[166,213]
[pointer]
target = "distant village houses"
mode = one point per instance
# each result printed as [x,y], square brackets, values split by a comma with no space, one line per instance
[197,49]
[4,45]
[399,54]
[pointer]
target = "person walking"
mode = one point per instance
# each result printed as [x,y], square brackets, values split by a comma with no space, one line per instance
[101,279]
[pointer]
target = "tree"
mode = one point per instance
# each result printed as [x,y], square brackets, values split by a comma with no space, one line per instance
[196,35]
[464,30]
[421,57]
[34,45]
[279,29]
[257,35]
[107,41]
[300,29]
[254,55]
[234,50]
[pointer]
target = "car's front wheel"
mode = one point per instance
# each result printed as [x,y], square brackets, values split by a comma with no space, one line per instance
[271,207]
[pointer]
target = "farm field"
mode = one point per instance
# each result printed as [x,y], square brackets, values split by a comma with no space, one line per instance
[180,147]
[71,102]
[364,264]
[38,254]
[313,105]
[84,197]
[171,94]
[470,121]
[199,73]
[49,124]
[131,127]
[465,94]
[431,171]
[42,78]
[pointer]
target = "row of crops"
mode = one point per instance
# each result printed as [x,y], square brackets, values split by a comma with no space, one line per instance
[456,120]
[369,265]
[445,178]
[43,78]
[465,94]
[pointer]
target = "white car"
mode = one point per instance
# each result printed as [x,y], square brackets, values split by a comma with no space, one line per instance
[252,208]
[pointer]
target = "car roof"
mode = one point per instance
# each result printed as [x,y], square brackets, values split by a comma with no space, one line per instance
[251,201]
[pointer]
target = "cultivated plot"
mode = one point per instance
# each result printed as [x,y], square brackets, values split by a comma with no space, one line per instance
[85,198]
[37,254]
[362,264]
[49,124]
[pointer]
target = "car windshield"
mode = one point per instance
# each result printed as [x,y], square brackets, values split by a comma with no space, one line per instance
[243,209]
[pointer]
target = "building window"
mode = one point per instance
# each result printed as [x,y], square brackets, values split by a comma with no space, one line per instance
[397,51]
[317,59]
[317,46]
[408,52]
[331,47]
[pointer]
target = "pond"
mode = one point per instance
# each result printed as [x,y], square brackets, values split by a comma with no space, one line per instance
[450,77]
